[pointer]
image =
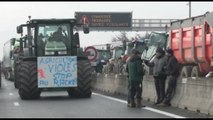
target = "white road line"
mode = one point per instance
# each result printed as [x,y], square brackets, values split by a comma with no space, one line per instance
[164,113]
[146,108]
[16,104]
[111,98]
[10,93]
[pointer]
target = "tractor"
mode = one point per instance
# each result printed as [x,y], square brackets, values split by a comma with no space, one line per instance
[49,59]
[14,55]
[8,59]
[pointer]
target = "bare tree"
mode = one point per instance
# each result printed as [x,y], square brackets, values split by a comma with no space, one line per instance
[146,36]
[121,37]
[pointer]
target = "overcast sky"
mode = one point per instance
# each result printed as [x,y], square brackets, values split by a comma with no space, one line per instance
[15,13]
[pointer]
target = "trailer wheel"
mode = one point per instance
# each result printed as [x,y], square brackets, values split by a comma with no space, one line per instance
[186,71]
[28,88]
[196,72]
[83,90]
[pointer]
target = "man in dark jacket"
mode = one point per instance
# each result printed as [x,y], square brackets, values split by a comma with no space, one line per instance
[172,71]
[159,74]
[135,75]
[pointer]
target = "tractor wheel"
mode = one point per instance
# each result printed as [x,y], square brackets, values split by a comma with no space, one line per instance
[16,76]
[0,73]
[0,78]
[83,90]
[6,75]
[186,71]
[196,72]
[10,75]
[28,88]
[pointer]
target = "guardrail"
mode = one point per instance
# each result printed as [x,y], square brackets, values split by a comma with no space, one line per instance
[151,24]
[192,94]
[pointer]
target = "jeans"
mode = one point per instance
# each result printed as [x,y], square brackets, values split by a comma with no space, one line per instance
[171,89]
[160,87]
[134,90]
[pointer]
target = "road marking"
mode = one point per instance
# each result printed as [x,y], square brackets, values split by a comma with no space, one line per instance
[146,108]
[16,104]
[162,112]
[10,93]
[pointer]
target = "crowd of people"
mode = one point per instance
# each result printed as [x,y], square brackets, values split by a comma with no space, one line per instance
[165,67]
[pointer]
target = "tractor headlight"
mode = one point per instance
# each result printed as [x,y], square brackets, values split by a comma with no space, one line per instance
[62,52]
[49,53]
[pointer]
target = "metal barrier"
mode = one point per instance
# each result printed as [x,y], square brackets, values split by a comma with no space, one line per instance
[151,24]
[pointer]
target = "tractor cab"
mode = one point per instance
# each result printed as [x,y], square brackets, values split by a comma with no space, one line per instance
[51,37]
[155,40]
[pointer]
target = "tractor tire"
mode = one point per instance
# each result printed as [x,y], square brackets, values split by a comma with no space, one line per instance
[6,75]
[83,90]
[28,88]
[0,73]
[16,76]
[0,79]
[186,71]
[11,76]
[196,72]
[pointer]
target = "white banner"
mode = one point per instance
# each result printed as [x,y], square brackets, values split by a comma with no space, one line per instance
[60,71]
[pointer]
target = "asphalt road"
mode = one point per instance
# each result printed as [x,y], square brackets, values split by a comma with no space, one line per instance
[57,104]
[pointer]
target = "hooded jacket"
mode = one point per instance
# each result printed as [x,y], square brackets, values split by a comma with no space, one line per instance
[135,68]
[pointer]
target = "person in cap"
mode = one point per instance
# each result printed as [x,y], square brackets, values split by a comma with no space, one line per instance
[135,76]
[159,74]
[172,72]
[59,35]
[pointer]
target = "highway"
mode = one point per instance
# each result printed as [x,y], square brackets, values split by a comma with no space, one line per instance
[57,104]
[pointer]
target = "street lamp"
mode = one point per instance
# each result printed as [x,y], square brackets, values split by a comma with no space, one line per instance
[189,8]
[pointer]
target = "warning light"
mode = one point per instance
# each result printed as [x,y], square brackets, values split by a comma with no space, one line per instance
[85,20]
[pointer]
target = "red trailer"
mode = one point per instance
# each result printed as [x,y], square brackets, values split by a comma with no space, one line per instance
[192,42]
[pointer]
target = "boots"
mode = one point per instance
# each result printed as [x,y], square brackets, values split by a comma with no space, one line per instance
[131,103]
[138,103]
[128,103]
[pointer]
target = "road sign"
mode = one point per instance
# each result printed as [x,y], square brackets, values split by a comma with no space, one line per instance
[105,19]
[91,53]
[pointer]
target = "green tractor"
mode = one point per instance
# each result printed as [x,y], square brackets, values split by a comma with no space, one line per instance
[15,56]
[9,50]
[49,59]
[102,59]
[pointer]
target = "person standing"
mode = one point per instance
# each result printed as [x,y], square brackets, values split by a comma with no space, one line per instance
[135,76]
[159,74]
[172,71]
